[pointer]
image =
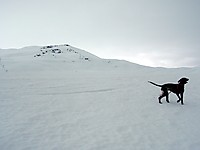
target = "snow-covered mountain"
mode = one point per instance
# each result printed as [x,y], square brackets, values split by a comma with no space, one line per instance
[61,97]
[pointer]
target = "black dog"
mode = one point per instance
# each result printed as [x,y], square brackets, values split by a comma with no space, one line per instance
[178,89]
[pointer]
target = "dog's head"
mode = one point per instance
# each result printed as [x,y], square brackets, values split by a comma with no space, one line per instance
[183,80]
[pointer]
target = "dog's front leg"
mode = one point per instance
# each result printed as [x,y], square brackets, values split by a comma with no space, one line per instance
[180,98]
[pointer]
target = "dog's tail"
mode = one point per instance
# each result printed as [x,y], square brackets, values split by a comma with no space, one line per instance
[155,84]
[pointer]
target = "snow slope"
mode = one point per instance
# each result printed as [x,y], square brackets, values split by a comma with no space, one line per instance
[69,99]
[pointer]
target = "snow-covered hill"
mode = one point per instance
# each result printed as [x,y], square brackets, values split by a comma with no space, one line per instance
[61,97]
[55,57]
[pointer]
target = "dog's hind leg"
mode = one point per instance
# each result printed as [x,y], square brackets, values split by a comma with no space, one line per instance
[164,94]
[167,96]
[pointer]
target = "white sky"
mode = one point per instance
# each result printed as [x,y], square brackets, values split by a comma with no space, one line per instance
[149,32]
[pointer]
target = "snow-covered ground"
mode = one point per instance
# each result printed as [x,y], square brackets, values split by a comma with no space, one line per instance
[63,98]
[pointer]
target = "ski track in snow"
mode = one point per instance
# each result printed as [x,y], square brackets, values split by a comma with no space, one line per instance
[79,92]
[93,106]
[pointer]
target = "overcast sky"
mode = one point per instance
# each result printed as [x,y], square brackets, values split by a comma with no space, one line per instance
[149,32]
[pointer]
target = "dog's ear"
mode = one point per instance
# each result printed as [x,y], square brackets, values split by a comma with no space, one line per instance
[183,80]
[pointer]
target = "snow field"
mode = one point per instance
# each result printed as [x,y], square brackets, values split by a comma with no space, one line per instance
[50,104]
